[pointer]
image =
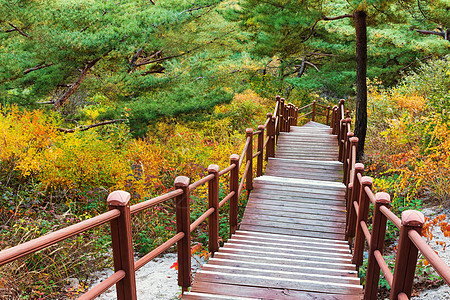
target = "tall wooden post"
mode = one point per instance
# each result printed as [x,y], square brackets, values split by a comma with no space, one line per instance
[296,116]
[234,187]
[333,119]
[362,216]
[376,243]
[260,157]
[270,148]
[313,115]
[278,116]
[328,115]
[351,213]
[347,159]
[353,143]
[183,225]
[283,115]
[406,260]
[249,159]
[122,244]
[341,136]
[213,201]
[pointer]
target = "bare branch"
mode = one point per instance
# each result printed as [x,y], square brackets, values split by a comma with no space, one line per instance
[38,67]
[86,127]
[312,65]
[337,18]
[18,30]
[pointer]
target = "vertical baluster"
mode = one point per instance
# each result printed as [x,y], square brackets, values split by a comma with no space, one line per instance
[260,158]
[270,148]
[249,159]
[406,260]
[313,115]
[213,201]
[234,187]
[347,157]
[362,216]
[376,243]
[328,115]
[122,244]
[183,225]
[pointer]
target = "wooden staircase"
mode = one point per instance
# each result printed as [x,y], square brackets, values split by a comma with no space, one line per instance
[290,243]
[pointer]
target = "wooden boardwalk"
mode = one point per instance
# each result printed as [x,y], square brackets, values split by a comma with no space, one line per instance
[290,243]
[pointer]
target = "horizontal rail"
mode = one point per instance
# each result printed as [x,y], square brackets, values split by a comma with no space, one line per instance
[256,132]
[200,182]
[384,267]
[226,198]
[276,109]
[266,141]
[321,105]
[103,286]
[356,206]
[391,216]
[366,231]
[49,239]
[226,170]
[241,185]
[241,159]
[202,218]
[302,116]
[370,194]
[256,154]
[306,106]
[402,296]
[157,251]
[438,264]
[266,123]
[154,201]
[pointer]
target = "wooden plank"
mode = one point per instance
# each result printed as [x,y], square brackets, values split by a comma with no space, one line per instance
[305,161]
[315,214]
[285,195]
[303,175]
[294,204]
[264,292]
[283,237]
[293,232]
[283,219]
[292,284]
[294,226]
[286,261]
[269,212]
[334,187]
[311,191]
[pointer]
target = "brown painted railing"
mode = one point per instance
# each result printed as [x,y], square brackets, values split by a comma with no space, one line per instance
[359,196]
[120,212]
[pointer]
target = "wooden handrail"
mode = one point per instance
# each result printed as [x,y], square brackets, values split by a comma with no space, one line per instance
[359,196]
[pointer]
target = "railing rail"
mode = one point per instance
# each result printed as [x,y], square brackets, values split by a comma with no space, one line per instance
[120,211]
[359,197]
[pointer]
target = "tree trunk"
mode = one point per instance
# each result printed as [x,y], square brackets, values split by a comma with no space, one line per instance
[361,84]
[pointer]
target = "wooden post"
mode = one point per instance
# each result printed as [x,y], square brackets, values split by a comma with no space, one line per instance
[342,131]
[234,187]
[353,142]
[376,243]
[249,160]
[362,216]
[347,157]
[333,120]
[328,115]
[213,199]
[122,244]
[270,132]
[296,116]
[260,158]
[406,260]
[183,225]
[313,115]
[354,196]
[278,129]
[283,116]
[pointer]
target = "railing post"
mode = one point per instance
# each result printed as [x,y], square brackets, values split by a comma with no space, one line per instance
[328,115]
[362,217]
[234,187]
[260,158]
[354,196]
[249,160]
[283,116]
[295,116]
[347,157]
[278,128]
[313,115]
[342,131]
[122,244]
[333,120]
[183,225]
[213,199]
[270,148]
[376,243]
[406,260]
[353,142]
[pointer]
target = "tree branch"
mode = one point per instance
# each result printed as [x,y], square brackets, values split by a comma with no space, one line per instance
[19,30]
[38,67]
[325,18]
[86,127]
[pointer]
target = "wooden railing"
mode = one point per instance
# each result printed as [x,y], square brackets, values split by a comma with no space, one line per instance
[120,211]
[359,197]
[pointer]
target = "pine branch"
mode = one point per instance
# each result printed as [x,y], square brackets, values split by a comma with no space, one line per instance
[87,127]
[337,18]
[38,67]
[18,30]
